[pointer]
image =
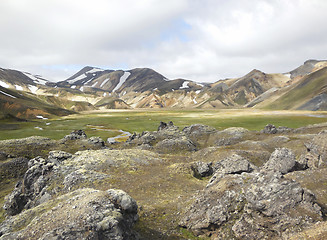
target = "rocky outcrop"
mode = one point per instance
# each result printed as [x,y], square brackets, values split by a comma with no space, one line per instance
[202,169]
[52,191]
[271,129]
[200,134]
[82,214]
[316,156]
[281,160]
[76,134]
[97,141]
[29,191]
[245,202]
[259,205]
[230,136]
[167,139]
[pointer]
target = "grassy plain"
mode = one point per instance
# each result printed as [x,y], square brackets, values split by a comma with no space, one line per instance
[108,123]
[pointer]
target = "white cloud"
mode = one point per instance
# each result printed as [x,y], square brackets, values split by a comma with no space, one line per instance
[203,40]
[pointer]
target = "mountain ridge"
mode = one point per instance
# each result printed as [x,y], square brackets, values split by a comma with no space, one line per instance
[95,88]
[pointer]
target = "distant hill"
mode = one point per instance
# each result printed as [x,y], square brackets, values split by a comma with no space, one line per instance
[26,95]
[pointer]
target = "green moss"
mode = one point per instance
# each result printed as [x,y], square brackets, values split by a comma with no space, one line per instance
[6,187]
[187,234]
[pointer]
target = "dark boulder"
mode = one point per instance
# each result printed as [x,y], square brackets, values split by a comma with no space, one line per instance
[97,141]
[271,129]
[201,169]
[76,134]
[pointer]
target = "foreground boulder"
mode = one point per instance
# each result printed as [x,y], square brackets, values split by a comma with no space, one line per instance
[82,214]
[282,160]
[259,205]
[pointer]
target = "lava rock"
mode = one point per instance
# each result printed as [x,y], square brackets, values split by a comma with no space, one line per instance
[58,156]
[281,160]
[269,129]
[97,141]
[82,214]
[77,134]
[258,205]
[202,169]
[27,191]
[316,156]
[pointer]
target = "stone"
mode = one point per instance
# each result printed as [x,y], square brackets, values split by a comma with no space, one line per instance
[173,145]
[269,129]
[281,160]
[234,164]
[168,138]
[230,136]
[97,141]
[202,169]
[58,156]
[74,135]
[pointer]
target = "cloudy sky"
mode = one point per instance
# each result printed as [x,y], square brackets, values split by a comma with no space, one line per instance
[202,40]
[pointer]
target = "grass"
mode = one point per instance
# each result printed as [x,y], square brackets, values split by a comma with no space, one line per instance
[106,124]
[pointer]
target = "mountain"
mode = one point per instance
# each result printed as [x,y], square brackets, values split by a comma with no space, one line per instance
[119,81]
[309,93]
[25,105]
[21,81]
[94,88]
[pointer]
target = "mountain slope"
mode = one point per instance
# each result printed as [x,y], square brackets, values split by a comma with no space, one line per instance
[25,105]
[119,81]
[22,81]
[308,93]
[95,88]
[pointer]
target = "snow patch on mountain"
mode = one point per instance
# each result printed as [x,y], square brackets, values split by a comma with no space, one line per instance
[7,94]
[185,85]
[94,84]
[104,82]
[95,70]
[3,84]
[36,78]
[80,77]
[19,88]
[122,80]
[287,75]
[73,86]
[32,88]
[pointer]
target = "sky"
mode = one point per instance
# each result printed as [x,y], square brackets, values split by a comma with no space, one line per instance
[199,40]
